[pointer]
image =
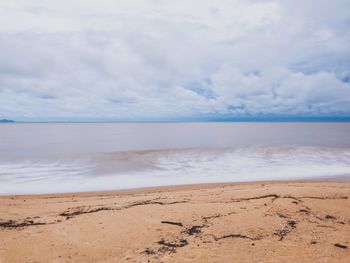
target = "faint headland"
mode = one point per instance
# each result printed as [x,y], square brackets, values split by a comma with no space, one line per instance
[6,121]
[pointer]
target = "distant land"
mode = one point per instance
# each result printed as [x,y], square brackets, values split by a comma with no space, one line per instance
[191,119]
[6,121]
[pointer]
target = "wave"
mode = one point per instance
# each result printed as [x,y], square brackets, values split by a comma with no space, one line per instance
[121,170]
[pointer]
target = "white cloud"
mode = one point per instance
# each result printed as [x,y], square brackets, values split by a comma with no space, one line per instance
[169,59]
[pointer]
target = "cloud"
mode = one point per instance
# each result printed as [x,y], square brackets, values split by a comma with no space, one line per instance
[155,59]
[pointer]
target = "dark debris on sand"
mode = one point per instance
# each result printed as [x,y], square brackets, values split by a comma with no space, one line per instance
[341,246]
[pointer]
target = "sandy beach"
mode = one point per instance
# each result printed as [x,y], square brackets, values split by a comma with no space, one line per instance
[240,222]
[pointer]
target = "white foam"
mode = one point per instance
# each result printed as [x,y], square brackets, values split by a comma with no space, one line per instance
[170,167]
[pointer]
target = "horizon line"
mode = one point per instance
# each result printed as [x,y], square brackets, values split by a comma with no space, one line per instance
[183,121]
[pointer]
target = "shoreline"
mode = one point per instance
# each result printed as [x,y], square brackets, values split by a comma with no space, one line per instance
[180,187]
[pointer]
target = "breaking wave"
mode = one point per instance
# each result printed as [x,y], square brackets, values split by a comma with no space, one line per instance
[122,170]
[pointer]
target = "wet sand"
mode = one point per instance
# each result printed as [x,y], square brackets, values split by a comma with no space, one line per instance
[240,222]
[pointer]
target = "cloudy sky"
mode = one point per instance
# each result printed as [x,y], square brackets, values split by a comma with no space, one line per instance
[165,59]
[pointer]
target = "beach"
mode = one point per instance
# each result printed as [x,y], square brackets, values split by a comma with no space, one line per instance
[291,221]
[174,131]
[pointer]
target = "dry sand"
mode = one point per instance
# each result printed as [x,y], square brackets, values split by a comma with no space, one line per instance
[245,222]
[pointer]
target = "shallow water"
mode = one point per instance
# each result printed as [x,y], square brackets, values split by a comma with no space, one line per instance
[46,158]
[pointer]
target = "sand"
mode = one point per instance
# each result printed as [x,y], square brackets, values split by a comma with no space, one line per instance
[243,222]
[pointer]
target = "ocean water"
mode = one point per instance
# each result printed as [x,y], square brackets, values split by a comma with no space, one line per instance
[60,157]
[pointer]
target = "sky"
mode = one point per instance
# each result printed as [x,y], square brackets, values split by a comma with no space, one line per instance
[172,60]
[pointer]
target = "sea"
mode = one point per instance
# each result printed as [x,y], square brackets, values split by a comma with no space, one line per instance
[37,158]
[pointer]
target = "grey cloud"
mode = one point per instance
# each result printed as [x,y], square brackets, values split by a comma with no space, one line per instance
[161,59]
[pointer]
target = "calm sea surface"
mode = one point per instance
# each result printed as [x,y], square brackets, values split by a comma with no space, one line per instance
[60,157]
